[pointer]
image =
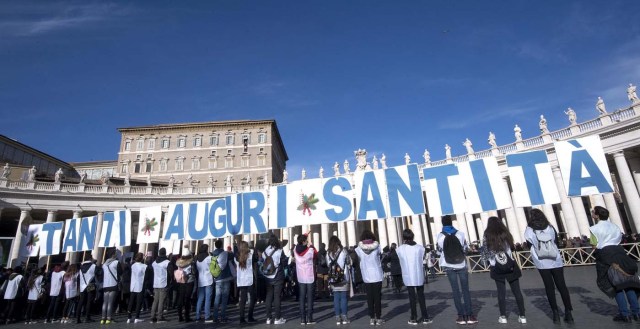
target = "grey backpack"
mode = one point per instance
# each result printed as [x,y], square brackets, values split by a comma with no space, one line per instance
[546,248]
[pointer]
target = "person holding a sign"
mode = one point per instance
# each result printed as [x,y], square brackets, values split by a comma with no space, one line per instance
[503,268]
[223,282]
[162,275]
[205,283]
[70,292]
[245,260]
[87,287]
[410,255]
[338,261]
[185,276]
[305,255]
[273,261]
[546,256]
[14,284]
[55,287]
[35,290]
[111,282]
[368,252]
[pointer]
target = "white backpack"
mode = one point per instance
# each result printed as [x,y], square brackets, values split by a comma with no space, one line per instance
[546,248]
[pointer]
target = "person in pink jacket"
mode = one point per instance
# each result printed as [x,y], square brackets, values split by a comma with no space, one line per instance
[305,255]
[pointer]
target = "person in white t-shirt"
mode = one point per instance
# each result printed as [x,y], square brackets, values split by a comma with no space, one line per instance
[55,289]
[137,288]
[70,280]
[35,288]
[15,285]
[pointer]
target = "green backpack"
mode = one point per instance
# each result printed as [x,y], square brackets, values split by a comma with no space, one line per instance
[214,267]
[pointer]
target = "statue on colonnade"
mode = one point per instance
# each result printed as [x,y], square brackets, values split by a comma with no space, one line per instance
[572,116]
[517,132]
[6,171]
[543,125]
[492,140]
[467,143]
[631,93]
[600,106]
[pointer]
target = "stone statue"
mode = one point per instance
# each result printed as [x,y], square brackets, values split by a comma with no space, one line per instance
[148,180]
[336,169]
[345,165]
[492,140]
[172,181]
[600,106]
[361,159]
[447,151]
[266,177]
[58,175]
[6,171]
[32,174]
[427,156]
[248,179]
[543,125]
[104,178]
[210,181]
[227,181]
[407,159]
[383,161]
[190,179]
[572,115]
[304,174]
[375,162]
[321,173]
[467,143]
[631,93]
[285,176]
[83,176]
[518,133]
[126,180]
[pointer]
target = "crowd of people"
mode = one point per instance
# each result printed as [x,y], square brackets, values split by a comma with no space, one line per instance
[246,274]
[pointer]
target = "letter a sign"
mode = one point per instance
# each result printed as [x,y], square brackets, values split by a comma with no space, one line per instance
[583,166]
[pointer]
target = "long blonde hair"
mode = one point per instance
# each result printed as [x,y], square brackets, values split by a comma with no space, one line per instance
[243,254]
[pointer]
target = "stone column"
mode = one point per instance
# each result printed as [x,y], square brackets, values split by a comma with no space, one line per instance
[341,233]
[98,251]
[382,233]
[17,242]
[324,234]
[72,257]
[392,229]
[351,232]
[510,213]
[612,206]
[629,188]
[417,229]
[581,215]
[462,223]
[551,216]
[571,225]
[436,229]
[484,219]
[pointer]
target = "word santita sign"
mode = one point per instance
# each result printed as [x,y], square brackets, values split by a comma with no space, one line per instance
[474,186]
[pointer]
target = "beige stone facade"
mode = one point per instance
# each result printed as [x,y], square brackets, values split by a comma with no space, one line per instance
[219,154]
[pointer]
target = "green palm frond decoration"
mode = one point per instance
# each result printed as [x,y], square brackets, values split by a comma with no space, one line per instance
[32,241]
[149,225]
[308,203]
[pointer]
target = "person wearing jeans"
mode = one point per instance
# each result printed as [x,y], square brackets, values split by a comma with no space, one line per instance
[457,274]
[337,256]
[305,255]
[205,283]
[223,283]
[274,281]
[410,255]
[368,252]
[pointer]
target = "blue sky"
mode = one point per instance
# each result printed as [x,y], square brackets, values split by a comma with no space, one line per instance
[387,76]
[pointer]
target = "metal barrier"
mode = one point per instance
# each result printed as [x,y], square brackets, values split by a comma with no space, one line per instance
[571,257]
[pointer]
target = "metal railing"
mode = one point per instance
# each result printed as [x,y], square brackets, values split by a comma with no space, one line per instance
[571,256]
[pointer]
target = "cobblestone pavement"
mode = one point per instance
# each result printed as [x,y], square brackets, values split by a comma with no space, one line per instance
[592,309]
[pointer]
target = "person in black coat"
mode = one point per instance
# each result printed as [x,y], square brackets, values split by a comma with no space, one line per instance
[394,268]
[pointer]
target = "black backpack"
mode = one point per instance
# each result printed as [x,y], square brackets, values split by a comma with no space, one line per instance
[336,272]
[268,267]
[452,249]
[504,263]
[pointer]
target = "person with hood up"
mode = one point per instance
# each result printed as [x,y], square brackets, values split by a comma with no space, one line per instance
[245,260]
[138,274]
[223,282]
[456,272]
[70,292]
[410,255]
[55,287]
[606,238]
[35,288]
[87,277]
[15,286]
[161,277]
[305,256]
[112,274]
[185,276]
[338,255]
[205,283]
[551,270]
[275,280]
[368,252]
